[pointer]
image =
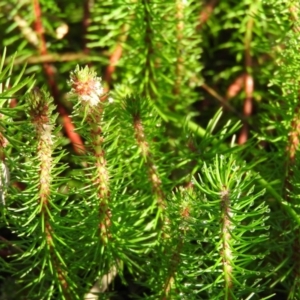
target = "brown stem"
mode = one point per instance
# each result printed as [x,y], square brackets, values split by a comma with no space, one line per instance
[54,57]
[226,237]
[115,57]
[75,139]
[110,69]
[175,260]
[40,112]
[102,177]
[206,12]
[152,169]
[149,75]
[249,82]
[223,101]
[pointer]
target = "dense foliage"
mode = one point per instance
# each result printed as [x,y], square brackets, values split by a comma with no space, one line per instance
[149,149]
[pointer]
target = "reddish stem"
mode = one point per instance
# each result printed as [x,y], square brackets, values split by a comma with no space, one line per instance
[114,58]
[75,139]
[206,12]
[249,82]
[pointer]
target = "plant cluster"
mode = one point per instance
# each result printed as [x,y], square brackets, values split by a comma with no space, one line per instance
[149,149]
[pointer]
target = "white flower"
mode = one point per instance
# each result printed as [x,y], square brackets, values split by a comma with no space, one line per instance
[86,85]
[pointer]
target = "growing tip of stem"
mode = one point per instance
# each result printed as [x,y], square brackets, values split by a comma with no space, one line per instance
[86,86]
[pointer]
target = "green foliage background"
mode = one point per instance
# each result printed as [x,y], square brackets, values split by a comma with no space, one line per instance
[187,187]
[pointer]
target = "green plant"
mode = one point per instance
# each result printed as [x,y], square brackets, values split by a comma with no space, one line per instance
[133,178]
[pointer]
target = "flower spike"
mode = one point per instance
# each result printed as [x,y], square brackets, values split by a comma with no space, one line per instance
[86,86]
